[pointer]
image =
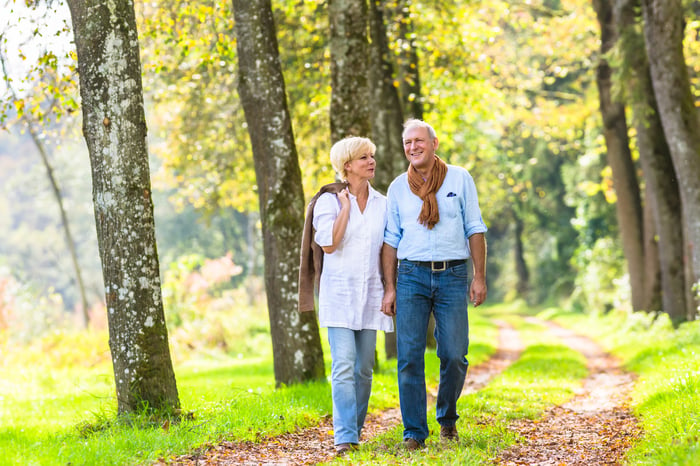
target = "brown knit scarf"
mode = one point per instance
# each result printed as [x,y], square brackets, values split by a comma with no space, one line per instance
[426,189]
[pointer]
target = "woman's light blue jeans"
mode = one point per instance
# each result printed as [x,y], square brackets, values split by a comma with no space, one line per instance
[352,353]
[420,291]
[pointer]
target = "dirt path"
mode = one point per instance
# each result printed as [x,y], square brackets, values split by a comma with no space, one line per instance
[595,427]
[315,444]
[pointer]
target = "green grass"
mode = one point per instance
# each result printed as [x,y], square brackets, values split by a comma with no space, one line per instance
[57,402]
[58,407]
[666,396]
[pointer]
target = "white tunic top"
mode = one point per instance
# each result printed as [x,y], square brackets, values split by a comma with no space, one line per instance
[351,290]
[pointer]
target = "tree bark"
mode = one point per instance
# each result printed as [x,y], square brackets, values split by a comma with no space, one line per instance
[521,271]
[408,74]
[387,117]
[629,203]
[387,125]
[349,48]
[663,31]
[296,343]
[114,127]
[662,197]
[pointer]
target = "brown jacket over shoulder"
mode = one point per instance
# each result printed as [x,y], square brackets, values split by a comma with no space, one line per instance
[311,257]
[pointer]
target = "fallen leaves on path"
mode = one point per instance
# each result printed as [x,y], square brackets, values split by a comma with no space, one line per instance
[595,427]
[315,444]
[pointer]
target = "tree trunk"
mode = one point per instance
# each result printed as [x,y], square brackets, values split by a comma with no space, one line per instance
[411,106]
[64,221]
[408,75]
[114,126]
[252,254]
[629,203]
[387,126]
[387,117]
[521,271]
[349,48]
[651,301]
[662,196]
[296,343]
[663,31]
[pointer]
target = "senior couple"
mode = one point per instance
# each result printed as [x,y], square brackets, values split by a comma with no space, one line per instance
[403,255]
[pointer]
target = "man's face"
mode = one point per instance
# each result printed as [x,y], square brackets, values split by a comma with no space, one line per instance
[419,148]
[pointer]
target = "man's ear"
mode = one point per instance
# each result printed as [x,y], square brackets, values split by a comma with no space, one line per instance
[435,143]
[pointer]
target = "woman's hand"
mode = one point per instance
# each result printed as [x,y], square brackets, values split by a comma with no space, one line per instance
[344,198]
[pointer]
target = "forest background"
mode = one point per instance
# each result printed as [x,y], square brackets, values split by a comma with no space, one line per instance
[513,89]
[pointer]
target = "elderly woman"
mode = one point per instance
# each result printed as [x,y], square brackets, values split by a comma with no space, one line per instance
[350,229]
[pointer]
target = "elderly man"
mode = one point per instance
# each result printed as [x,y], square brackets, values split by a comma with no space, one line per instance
[434,226]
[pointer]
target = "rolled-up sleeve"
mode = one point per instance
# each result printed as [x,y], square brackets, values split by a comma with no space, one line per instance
[325,213]
[473,222]
[392,232]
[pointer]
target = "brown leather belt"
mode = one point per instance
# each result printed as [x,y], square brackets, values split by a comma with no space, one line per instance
[437,266]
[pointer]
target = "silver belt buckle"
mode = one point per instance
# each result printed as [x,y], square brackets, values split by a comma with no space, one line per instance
[440,266]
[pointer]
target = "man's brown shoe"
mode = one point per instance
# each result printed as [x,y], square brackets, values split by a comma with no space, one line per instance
[449,433]
[412,444]
[343,448]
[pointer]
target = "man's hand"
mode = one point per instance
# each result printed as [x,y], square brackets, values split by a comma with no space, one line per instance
[389,303]
[477,291]
[389,263]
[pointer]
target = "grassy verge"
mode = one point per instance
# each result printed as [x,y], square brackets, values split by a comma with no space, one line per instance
[57,402]
[666,396]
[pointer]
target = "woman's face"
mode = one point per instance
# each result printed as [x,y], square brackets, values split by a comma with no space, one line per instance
[362,166]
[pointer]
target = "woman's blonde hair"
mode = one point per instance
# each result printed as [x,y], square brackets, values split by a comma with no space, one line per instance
[347,150]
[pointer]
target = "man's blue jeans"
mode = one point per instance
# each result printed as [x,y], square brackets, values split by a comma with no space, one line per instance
[420,291]
[352,362]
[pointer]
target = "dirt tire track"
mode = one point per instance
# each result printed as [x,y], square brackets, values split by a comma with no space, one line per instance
[315,444]
[595,427]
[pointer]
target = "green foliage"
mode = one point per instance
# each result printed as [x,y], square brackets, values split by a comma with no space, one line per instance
[39,73]
[598,260]
[190,65]
[27,313]
[204,311]
[509,87]
[601,281]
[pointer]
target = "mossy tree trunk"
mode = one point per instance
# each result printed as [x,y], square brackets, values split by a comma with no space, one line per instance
[662,198]
[386,117]
[407,62]
[619,156]
[350,90]
[663,32]
[114,127]
[296,343]
[387,123]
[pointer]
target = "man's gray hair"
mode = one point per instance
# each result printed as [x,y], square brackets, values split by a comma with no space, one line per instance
[415,122]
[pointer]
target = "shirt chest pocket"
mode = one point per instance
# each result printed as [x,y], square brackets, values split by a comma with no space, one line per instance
[450,205]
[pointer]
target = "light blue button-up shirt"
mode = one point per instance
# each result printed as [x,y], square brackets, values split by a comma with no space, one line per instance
[460,217]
